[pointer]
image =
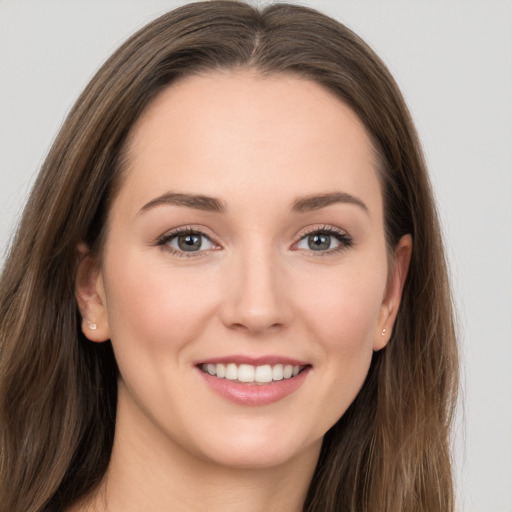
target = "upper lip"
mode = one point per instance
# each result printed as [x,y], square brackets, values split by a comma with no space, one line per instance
[254,361]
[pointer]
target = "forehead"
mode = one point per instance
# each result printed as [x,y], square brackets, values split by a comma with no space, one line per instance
[241,134]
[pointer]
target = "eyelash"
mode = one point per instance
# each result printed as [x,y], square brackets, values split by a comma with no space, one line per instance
[164,240]
[346,241]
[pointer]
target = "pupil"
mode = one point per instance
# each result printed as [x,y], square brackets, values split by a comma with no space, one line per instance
[189,242]
[319,242]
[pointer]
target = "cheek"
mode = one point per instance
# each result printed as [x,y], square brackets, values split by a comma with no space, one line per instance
[346,332]
[343,319]
[156,308]
[344,308]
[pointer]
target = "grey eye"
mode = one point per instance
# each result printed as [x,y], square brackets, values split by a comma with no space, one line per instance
[190,242]
[318,242]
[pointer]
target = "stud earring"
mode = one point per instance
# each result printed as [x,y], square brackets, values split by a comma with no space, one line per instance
[92,325]
[383,332]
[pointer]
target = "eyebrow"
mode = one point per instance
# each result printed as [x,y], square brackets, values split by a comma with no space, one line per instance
[212,204]
[199,202]
[318,201]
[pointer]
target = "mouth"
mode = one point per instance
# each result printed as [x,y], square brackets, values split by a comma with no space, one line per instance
[251,374]
[250,381]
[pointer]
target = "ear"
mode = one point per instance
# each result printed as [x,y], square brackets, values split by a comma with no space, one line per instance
[90,296]
[393,292]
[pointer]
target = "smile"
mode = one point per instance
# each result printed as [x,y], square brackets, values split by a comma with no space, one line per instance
[250,381]
[250,374]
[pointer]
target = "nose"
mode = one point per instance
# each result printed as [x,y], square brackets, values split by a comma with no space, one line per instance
[257,298]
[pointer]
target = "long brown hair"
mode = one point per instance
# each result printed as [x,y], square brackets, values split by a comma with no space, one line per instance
[390,450]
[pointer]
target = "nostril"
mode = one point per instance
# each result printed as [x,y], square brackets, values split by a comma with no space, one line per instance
[256,326]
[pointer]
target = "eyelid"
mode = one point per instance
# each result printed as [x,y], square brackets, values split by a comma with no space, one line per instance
[163,240]
[322,228]
[343,236]
[345,239]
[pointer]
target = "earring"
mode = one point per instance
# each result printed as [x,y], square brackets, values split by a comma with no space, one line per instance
[92,325]
[383,332]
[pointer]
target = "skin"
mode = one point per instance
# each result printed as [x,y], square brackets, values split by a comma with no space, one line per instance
[255,288]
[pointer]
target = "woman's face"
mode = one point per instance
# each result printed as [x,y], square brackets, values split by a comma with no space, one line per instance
[246,243]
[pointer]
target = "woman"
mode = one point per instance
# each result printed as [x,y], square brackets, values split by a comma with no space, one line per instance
[228,287]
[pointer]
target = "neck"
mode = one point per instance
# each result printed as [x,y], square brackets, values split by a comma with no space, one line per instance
[148,471]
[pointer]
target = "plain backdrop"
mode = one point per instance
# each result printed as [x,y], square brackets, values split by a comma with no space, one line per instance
[453,61]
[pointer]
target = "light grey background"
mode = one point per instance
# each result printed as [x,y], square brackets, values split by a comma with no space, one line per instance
[453,60]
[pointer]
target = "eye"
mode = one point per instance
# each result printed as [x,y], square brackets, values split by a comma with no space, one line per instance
[325,240]
[186,241]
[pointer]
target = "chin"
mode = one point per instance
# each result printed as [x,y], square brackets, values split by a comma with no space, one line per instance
[258,450]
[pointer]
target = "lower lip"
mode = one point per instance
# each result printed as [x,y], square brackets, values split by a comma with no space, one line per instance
[254,394]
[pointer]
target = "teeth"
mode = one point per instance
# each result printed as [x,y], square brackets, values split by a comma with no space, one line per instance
[277,372]
[246,373]
[249,373]
[221,371]
[231,371]
[263,373]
